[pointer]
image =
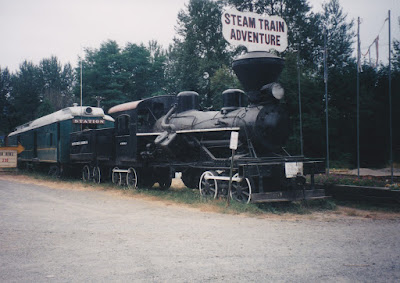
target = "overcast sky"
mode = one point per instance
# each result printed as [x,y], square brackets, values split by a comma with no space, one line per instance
[36,29]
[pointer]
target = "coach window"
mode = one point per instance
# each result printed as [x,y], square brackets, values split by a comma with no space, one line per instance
[123,124]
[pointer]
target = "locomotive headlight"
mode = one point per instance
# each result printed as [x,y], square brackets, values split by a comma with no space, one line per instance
[274,89]
[277,91]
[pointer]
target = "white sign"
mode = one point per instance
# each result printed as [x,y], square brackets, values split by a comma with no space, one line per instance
[292,169]
[256,32]
[234,140]
[8,158]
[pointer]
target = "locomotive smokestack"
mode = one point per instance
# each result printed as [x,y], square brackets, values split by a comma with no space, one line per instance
[255,70]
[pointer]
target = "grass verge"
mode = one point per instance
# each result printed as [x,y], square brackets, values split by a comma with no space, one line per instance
[192,198]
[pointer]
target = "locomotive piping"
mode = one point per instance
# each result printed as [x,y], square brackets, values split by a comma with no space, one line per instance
[164,124]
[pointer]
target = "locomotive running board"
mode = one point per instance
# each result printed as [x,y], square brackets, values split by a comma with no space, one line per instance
[208,130]
[282,196]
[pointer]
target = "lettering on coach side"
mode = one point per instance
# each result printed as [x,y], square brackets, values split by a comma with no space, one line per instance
[88,121]
[79,143]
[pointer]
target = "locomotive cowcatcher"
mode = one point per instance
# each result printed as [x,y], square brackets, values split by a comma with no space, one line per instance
[155,137]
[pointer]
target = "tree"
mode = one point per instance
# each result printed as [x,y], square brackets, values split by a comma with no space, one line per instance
[339,34]
[396,53]
[101,73]
[57,83]
[199,51]
[120,75]
[158,59]
[223,79]
[25,93]
[5,89]
[136,72]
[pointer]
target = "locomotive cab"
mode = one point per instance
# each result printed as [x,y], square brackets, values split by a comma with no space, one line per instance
[134,126]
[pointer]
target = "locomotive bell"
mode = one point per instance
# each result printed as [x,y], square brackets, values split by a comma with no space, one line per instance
[255,70]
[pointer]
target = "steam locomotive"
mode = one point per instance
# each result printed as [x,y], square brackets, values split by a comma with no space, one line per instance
[155,137]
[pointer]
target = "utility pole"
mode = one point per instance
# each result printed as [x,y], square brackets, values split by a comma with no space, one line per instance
[81,95]
[326,102]
[358,97]
[298,81]
[390,103]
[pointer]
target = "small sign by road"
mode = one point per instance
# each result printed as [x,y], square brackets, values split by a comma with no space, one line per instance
[8,156]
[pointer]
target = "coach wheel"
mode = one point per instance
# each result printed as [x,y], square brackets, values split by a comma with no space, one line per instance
[241,191]
[208,187]
[54,171]
[86,173]
[96,175]
[116,177]
[131,178]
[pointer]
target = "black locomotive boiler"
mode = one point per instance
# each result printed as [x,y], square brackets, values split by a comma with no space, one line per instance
[156,137]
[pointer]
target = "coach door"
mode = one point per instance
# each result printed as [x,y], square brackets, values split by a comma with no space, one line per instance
[58,139]
[35,150]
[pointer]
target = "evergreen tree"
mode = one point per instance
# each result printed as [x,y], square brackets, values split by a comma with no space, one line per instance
[158,59]
[199,51]
[57,82]
[25,93]
[5,89]
[102,75]
[120,75]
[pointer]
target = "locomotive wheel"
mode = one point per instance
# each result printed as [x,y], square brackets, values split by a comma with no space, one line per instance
[131,178]
[116,177]
[241,191]
[190,178]
[164,182]
[163,178]
[146,178]
[208,187]
[86,173]
[96,174]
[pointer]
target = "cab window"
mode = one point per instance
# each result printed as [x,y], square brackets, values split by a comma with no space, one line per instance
[123,124]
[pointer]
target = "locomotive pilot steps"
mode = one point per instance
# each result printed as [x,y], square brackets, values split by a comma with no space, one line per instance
[155,137]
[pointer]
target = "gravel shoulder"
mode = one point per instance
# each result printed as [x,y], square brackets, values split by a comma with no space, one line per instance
[340,213]
[62,232]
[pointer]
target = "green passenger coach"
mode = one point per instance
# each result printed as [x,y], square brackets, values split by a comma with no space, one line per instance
[46,140]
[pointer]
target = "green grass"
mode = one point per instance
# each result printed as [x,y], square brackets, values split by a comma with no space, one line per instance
[193,198]
[367,206]
[366,181]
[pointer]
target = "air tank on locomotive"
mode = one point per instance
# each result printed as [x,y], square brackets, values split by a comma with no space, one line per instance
[263,122]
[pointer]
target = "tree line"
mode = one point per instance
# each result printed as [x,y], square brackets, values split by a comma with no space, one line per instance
[200,59]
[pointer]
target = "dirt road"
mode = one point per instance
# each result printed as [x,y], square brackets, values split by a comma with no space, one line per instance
[67,235]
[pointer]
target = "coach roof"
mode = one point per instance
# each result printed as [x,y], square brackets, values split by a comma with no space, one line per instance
[62,115]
